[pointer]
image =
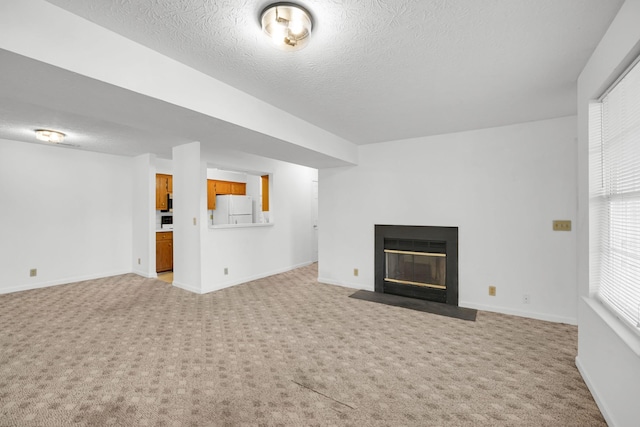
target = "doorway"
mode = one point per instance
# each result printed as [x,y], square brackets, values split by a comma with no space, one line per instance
[314,221]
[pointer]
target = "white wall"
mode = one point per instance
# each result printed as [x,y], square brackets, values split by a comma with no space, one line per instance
[254,252]
[502,187]
[143,213]
[608,351]
[224,175]
[164,166]
[67,213]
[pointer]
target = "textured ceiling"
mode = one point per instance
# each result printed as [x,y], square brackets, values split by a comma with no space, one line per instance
[380,70]
[374,71]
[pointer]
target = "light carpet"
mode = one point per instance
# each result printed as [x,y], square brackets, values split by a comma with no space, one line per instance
[281,351]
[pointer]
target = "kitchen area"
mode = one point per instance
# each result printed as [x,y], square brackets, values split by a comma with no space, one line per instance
[237,198]
[234,199]
[164,227]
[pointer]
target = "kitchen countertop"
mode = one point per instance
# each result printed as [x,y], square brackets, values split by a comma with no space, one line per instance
[251,225]
[163,230]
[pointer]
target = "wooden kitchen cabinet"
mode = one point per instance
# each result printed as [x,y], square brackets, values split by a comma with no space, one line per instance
[164,251]
[239,188]
[216,187]
[211,194]
[164,186]
[223,187]
[264,181]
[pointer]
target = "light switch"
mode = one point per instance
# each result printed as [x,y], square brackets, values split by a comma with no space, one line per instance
[561,225]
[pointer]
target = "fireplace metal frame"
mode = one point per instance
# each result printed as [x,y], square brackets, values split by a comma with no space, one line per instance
[449,235]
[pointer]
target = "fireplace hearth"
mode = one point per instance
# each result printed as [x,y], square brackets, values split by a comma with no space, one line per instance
[417,261]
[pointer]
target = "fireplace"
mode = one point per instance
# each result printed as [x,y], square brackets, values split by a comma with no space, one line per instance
[417,262]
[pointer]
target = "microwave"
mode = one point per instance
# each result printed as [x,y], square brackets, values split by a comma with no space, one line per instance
[166,222]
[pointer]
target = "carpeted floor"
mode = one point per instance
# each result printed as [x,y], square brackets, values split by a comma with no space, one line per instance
[285,350]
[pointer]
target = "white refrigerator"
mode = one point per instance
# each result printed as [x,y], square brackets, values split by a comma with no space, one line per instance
[232,209]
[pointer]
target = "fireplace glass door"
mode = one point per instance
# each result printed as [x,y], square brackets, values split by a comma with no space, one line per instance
[416,268]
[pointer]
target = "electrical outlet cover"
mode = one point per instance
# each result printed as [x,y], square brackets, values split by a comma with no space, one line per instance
[561,225]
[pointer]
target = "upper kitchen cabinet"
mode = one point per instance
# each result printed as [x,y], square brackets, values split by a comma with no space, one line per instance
[264,187]
[164,187]
[211,194]
[239,188]
[222,187]
[218,188]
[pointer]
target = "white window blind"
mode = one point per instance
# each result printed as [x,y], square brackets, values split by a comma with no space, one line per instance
[614,184]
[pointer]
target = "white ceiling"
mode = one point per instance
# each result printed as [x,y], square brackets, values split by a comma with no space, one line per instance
[100,117]
[374,71]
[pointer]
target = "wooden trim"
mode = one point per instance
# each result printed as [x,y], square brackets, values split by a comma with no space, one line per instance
[393,251]
[408,282]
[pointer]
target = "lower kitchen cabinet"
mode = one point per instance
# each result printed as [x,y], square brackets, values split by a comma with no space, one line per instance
[164,251]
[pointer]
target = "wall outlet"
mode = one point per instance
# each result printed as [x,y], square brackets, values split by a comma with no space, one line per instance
[33,272]
[139,261]
[561,225]
[492,291]
[226,271]
[355,272]
[194,220]
[526,299]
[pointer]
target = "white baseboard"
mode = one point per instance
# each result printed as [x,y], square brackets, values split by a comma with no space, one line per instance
[465,304]
[64,281]
[521,313]
[219,286]
[223,285]
[358,286]
[187,287]
[594,392]
[145,274]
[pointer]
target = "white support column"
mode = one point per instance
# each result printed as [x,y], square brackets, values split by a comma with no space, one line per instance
[189,215]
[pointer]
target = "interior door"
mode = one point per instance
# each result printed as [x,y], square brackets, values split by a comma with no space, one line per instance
[314,220]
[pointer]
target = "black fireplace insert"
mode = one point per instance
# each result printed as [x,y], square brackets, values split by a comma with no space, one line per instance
[417,262]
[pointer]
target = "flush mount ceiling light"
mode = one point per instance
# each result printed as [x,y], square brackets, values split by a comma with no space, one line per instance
[50,135]
[288,25]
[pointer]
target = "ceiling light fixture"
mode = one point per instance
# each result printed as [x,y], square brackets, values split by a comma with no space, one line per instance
[288,25]
[50,135]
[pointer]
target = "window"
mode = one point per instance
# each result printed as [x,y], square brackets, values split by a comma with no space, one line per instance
[614,186]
